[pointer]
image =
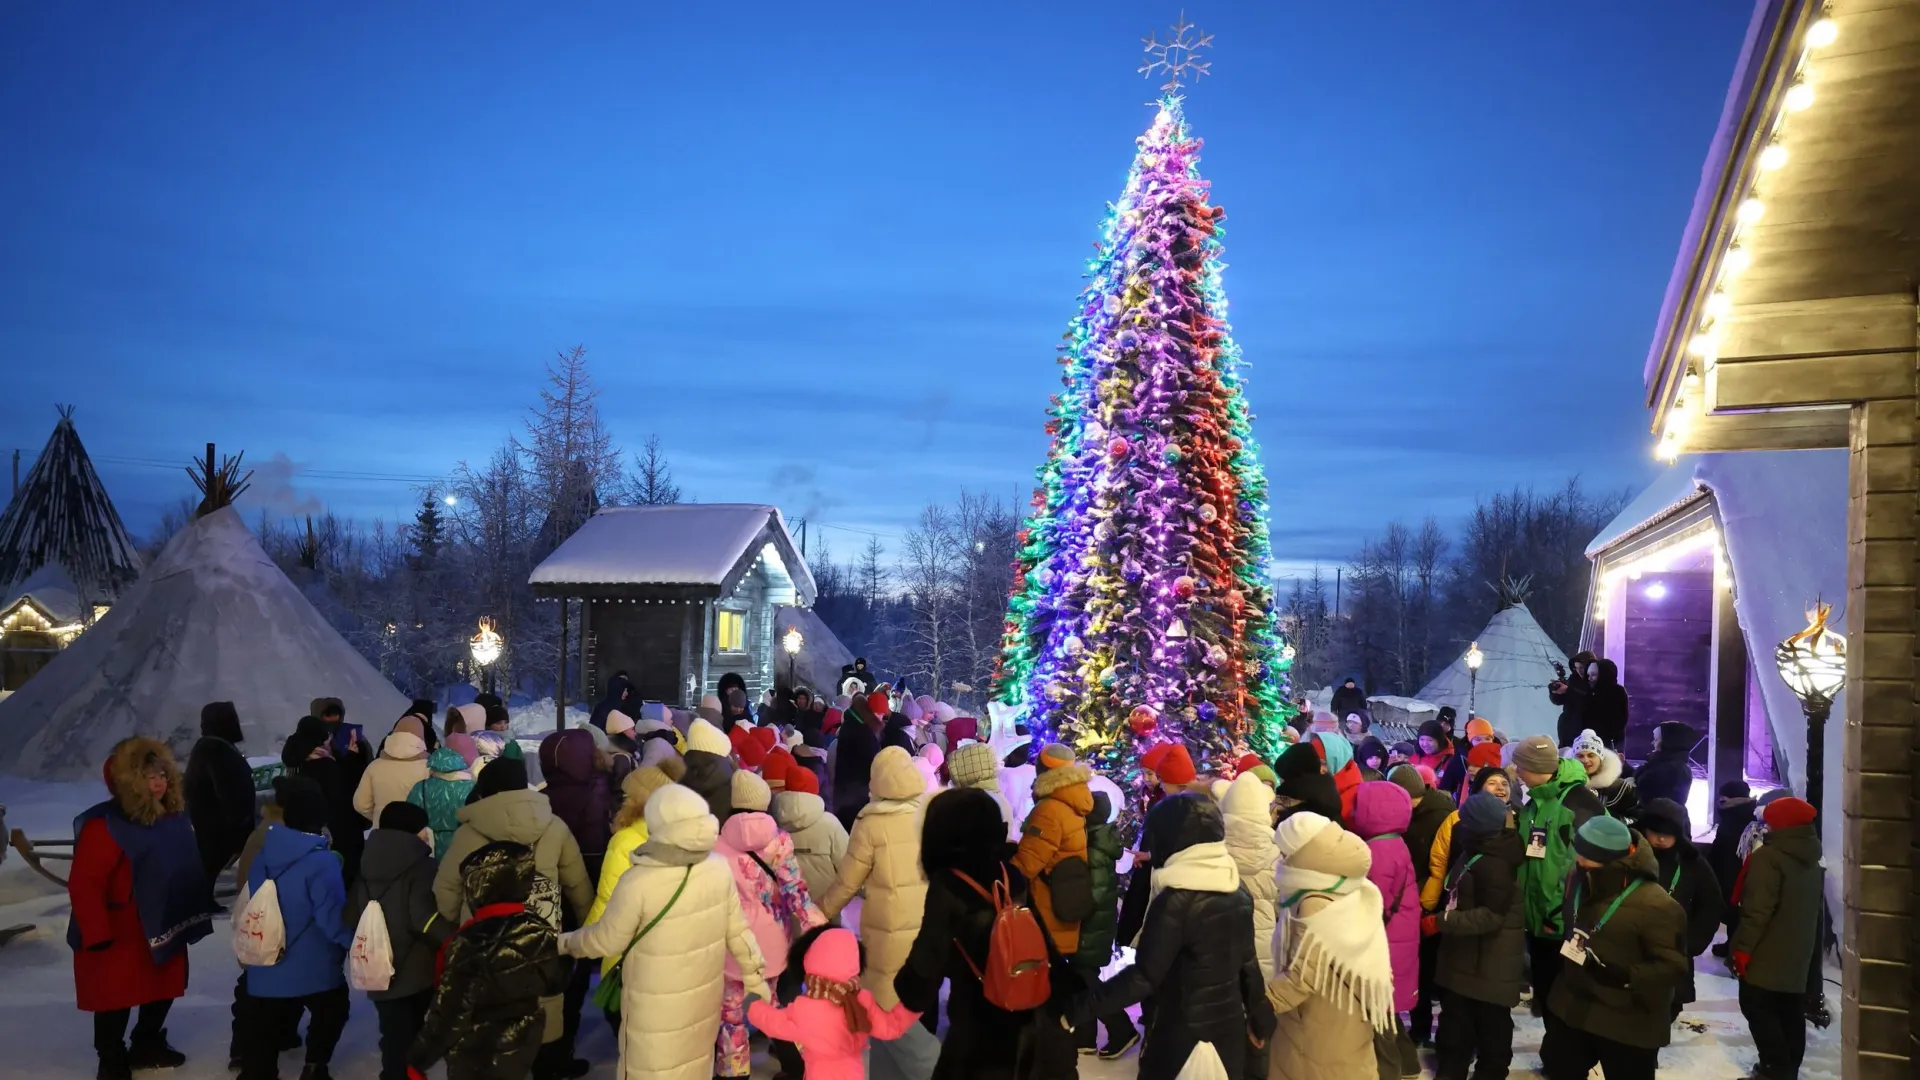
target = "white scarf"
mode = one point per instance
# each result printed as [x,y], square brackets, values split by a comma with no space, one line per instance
[1340,950]
[1200,868]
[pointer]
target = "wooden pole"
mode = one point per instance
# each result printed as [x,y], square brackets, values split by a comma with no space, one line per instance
[560,685]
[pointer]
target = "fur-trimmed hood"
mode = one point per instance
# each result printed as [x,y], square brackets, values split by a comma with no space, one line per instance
[126,778]
[1609,773]
[1065,776]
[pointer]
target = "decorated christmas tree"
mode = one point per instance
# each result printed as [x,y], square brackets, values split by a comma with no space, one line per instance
[1142,605]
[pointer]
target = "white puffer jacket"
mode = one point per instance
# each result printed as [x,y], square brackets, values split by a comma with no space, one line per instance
[819,840]
[390,777]
[1247,809]
[673,978]
[883,857]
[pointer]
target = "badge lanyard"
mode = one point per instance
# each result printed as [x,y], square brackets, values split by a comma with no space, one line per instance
[1611,908]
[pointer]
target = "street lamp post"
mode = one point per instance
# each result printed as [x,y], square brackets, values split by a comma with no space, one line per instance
[1813,664]
[792,642]
[1474,659]
[486,646]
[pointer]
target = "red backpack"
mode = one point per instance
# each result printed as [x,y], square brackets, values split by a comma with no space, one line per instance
[1016,977]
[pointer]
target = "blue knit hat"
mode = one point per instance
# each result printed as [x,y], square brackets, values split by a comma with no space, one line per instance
[1483,814]
[1602,839]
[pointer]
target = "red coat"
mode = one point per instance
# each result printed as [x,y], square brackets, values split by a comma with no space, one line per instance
[1347,781]
[123,975]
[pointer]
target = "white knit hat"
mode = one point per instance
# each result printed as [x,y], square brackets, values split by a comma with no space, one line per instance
[1292,835]
[749,792]
[1588,740]
[678,817]
[704,736]
[618,723]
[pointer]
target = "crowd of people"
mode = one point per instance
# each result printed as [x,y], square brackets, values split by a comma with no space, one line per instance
[1321,914]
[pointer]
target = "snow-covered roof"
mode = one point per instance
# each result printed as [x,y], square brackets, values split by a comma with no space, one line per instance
[62,516]
[697,544]
[1511,688]
[1672,489]
[50,590]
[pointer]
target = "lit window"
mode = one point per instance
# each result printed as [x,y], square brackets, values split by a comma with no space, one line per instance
[732,631]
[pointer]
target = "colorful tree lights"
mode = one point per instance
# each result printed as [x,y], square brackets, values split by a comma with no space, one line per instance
[1142,576]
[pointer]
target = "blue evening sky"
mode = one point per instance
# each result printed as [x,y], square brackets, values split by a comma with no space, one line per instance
[825,251]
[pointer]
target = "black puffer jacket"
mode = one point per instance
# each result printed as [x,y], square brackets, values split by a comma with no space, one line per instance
[1624,990]
[1667,774]
[1195,957]
[1483,923]
[619,691]
[218,787]
[1689,879]
[486,1018]
[397,872]
[1607,708]
[1347,699]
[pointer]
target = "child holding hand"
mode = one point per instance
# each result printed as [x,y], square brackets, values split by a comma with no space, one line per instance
[833,1018]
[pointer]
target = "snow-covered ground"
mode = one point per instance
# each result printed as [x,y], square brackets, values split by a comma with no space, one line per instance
[43,1036]
[535,719]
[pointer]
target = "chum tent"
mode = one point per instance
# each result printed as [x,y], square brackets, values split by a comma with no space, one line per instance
[1511,689]
[212,619]
[62,521]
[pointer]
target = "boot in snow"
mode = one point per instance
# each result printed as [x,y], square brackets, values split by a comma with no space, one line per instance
[315,1072]
[114,1065]
[154,1053]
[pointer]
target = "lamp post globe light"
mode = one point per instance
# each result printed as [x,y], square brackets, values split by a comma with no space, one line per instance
[1813,663]
[486,646]
[792,642]
[1474,659]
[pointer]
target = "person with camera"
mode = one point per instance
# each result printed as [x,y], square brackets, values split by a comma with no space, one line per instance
[1573,692]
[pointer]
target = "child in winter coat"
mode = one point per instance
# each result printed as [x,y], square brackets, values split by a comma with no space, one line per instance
[835,1017]
[774,898]
[1333,971]
[486,1018]
[1055,831]
[442,794]
[883,857]
[390,777]
[1779,893]
[1097,930]
[1481,928]
[396,872]
[1382,812]
[819,840]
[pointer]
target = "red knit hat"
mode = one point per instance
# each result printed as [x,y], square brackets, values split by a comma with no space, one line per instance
[765,738]
[1171,763]
[1247,763]
[774,771]
[749,750]
[830,723]
[1788,813]
[877,704]
[802,780]
[1482,756]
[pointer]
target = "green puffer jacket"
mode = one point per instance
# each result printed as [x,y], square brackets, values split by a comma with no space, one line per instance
[1560,805]
[1640,947]
[442,794]
[1103,854]
[1780,909]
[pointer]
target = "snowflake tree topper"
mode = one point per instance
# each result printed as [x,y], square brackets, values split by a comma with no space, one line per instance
[1178,56]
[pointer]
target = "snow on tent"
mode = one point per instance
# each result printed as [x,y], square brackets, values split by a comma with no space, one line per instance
[213,619]
[1511,690]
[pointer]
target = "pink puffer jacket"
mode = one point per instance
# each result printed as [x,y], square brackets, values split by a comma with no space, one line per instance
[1382,811]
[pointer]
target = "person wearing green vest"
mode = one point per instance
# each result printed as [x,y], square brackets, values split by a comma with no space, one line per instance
[1558,802]
[1621,960]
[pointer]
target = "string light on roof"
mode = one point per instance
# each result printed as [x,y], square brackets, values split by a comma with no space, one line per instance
[1751,210]
[1823,32]
[1773,157]
[1799,96]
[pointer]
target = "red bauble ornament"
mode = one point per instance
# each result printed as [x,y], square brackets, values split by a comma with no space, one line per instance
[1143,720]
[1117,447]
[1183,587]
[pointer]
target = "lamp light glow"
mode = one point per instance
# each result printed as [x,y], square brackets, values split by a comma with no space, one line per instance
[1822,33]
[1773,157]
[1799,96]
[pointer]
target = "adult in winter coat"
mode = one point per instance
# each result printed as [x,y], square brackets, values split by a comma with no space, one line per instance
[709,761]
[883,857]
[1348,698]
[673,976]
[619,696]
[1612,1009]
[1247,809]
[1607,708]
[309,753]
[397,872]
[140,896]
[442,794]
[1667,774]
[1336,760]
[1055,831]
[858,744]
[579,778]
[1736,810]
[819,840]
[1481,929]
[1097,931]
[1572,694]
[310,976]
[1558,803]
[976,766]
[507,810]
[1382,812]
[1687,877]
[1606,776]
[1195,955]
[219,788]
[1774,948]
[1438,753]
[486,1018]
[390,778]
[1333,972]
[1428,830]
[629,832]
[983,1042]
[348,742]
